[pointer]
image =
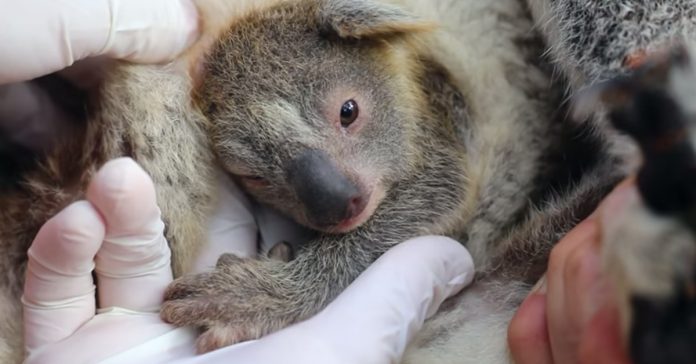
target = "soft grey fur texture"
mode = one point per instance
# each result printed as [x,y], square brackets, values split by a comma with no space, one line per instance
[464,135]
[445,157]
[591,39]
[510,212]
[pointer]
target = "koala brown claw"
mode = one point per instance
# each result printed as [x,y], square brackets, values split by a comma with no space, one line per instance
[240,300]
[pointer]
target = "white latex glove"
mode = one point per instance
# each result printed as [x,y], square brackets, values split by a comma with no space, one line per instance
[42,36]
[119,231]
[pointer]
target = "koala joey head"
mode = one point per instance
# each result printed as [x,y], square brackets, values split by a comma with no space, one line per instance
[311,107]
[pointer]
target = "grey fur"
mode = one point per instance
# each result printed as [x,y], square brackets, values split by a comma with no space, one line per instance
[590,39]
[448,157]
[466,137]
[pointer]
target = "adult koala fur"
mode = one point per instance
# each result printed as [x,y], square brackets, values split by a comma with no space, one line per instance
[456,130]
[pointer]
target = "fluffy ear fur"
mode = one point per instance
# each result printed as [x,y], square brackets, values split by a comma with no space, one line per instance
[358,19]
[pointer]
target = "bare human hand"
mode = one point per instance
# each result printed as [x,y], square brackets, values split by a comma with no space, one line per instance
[570,316]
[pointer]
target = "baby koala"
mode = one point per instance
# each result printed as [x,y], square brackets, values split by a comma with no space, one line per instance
[373,122]
[355,120]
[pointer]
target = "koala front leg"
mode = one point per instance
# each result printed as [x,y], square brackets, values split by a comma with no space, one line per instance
[244,299]
[593,40]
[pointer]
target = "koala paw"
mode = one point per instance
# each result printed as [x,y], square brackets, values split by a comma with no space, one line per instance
[240,300]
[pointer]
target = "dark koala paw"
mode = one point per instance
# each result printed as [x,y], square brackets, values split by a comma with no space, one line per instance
[240,300]
[664,331]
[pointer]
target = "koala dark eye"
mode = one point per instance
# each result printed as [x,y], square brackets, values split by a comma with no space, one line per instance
[349,112]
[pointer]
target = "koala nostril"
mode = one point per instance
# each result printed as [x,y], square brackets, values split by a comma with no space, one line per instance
[356,205]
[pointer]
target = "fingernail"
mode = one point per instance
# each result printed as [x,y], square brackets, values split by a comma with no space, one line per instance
[540,286]
[616,201]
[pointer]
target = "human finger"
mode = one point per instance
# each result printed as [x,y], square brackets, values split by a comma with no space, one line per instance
[615,202]
[564,329]
[528,336]
[577,288]
[601,342]
[135,256]
[59,291]
[584,288]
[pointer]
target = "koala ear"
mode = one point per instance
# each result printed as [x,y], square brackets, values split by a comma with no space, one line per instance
[358,19]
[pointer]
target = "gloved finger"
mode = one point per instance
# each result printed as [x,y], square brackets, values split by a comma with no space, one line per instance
[135,256]
[377,315]
[59,291]
[40,37]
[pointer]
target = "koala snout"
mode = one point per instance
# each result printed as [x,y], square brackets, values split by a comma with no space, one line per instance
[328,195]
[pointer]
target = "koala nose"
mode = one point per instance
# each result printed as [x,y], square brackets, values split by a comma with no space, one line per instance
[356,205]
[328,195]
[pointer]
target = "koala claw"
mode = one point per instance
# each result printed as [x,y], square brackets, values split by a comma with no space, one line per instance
[240,300]
[219,336]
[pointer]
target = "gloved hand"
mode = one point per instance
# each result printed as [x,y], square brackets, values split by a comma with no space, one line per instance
[43,36]
[39,37]
[117,232]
